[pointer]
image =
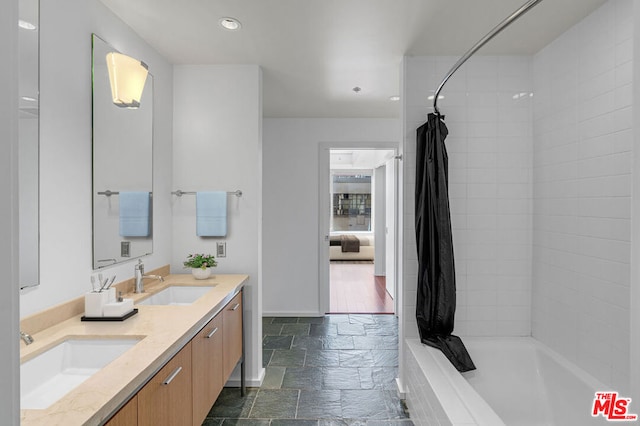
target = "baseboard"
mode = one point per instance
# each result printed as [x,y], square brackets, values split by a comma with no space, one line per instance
[292,314]
[402,392]
[255,382]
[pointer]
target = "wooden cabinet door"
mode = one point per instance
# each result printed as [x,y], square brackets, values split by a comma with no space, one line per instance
[127,416]
[232,336]
[167,398]
[206,355]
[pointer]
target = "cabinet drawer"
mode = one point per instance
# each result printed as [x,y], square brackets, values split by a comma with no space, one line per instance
[206,355]
[167,398]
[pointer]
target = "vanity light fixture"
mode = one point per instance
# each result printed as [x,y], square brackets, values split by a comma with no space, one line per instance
[127,77]
[231,24]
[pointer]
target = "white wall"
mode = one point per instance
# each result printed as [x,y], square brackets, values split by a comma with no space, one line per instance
[582,193]
[290,203]
[65,148]
[489,146]
[9,355]
[218,146]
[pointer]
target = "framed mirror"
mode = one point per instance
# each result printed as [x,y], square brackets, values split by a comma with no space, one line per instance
[122,159]
[29,145]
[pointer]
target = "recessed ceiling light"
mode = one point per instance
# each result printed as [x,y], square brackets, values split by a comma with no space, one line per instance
[394,98]
[29,98]
[231,24]
[26,25]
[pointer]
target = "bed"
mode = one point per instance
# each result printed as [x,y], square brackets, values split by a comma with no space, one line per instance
[351,247]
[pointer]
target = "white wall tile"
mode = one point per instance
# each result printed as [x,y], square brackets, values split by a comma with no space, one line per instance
[582,188]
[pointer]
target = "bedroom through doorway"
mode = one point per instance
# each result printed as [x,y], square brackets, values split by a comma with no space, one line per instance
[357,235]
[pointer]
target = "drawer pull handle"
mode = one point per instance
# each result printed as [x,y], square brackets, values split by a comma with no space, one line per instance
[235,307]
[210,335]
[172,376]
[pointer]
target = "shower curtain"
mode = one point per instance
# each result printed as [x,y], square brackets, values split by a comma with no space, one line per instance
[436,299]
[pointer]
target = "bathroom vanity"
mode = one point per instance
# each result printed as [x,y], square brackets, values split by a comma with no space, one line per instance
[183,356]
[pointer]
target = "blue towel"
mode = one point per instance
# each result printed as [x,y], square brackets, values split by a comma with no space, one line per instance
[211,214]
[134,214]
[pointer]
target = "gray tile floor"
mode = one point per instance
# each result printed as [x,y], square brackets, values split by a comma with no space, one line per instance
[336,370]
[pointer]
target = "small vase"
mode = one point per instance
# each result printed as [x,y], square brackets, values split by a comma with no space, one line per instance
[201,274]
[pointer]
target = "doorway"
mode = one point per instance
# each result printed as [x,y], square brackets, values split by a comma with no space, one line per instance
[357,228]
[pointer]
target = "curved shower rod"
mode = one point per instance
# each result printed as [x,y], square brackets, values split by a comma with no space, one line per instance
[494,32]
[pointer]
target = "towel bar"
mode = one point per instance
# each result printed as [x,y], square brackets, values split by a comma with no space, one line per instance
[180,193]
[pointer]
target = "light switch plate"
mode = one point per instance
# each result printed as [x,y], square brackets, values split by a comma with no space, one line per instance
[125,249]
[221,249]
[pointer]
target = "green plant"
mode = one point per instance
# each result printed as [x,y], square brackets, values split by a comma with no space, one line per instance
[203,261]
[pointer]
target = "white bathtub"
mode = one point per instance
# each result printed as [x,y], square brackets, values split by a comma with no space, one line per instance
[518,382]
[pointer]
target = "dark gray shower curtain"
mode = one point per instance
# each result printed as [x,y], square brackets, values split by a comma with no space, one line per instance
[436,300]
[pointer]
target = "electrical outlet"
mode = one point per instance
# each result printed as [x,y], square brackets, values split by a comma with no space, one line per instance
[125,249]
[221,249]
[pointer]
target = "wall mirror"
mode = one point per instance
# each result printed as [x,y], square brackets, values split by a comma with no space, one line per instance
[122,164]
[28,151]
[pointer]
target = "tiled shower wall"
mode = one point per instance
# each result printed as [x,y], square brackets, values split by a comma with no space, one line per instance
[582,193]
[487,105]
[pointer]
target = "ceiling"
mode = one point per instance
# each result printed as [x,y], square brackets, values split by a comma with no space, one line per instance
[314,52]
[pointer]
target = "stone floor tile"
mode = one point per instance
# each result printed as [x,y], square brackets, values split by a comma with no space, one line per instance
[396,409]
[386,319]
[322,358]
[267,320]
[308,342]
[326,329]
[303,378]
[246,422]
[271,329]
[277,342]
[295,329]
[356,358]
[361,319]
[375,342]
[273,378]
[348,329]
[231,405]
[342,422]
[319,404]
[288,358]
[275,404]
[266,356]
[385,358]
[363,404]
[311,320]
[341,378]
[366,378]
[381,329]
[293,422]
[212,422]
[336,318]
[285,320]
[338,342]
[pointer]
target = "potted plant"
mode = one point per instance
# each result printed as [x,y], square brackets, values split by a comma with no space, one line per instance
[200,265]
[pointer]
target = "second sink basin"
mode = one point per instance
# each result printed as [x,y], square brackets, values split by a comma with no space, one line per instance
[176,295]
[52,374]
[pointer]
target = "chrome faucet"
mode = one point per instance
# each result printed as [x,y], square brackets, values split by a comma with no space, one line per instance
[140,276]
[26,338]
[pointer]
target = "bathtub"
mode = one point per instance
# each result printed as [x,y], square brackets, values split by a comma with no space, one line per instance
[518,382]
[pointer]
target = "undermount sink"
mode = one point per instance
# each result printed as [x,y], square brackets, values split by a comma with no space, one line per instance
[52,374]
[176,295]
